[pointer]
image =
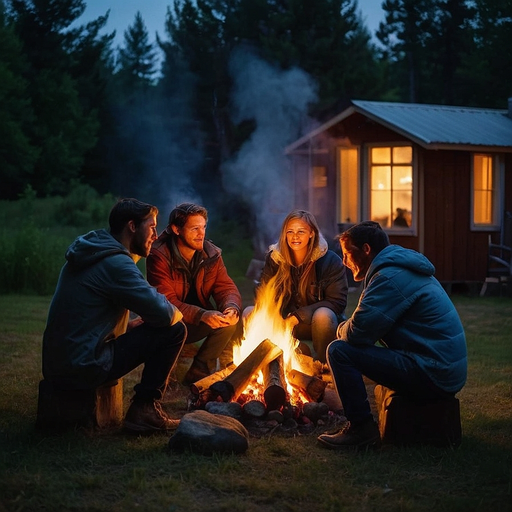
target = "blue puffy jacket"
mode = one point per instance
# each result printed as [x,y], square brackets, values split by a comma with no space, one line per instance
[404,307]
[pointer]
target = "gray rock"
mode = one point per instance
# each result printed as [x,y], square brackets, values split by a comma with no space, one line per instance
[315,410]
[232,409]
[206,433]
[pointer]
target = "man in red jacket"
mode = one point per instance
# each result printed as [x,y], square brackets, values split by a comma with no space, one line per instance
[190,272]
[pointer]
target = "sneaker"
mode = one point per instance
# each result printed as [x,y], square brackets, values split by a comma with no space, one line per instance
[352,437]
[146,417]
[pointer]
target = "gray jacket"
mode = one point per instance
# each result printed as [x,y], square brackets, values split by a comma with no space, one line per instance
[97,288]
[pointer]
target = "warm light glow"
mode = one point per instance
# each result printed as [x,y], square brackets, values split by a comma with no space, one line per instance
[391,184]
[349,185]
[266,322]
[483,189]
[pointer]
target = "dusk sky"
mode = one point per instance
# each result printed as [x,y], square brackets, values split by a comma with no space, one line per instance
[122,14]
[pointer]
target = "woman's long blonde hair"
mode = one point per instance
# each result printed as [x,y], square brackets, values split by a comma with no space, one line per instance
[282,281]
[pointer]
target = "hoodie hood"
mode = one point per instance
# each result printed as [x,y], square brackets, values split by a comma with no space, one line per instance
[399,257]
[92,247]
[318,252]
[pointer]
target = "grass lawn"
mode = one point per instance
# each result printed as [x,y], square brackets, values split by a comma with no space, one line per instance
[116,472]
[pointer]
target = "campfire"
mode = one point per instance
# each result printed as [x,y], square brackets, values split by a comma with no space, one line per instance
[269,372]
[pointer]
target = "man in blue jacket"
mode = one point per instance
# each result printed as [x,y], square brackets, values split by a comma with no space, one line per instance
[88,340]
[405,333]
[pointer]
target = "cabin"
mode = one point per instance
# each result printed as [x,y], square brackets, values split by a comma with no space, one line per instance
[437,178]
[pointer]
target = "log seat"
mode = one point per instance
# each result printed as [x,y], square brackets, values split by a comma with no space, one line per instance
[403,421]
[61,409]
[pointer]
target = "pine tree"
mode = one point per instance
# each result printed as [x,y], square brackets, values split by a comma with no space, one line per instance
[64,130]
[137,58]
[17,154]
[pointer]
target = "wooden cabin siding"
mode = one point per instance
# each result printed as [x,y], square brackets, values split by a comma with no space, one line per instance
[458,253]
[443,225]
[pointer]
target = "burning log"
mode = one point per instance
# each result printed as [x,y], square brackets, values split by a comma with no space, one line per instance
[204,384]
[311,386]
[275,384]
[309,365]
[235,383]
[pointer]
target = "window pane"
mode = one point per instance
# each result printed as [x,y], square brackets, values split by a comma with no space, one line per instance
[483,207]
[402,178]
[402,155]
[402,203]
[319,177]
[349,185]
[391,186]
[380,207]
[483,189]
[381,155]
[381,178]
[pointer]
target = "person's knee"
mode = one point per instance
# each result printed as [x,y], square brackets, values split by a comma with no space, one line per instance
[173,334]
[325,317]
[335,350]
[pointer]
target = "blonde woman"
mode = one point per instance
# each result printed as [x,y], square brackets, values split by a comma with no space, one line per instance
[309,278]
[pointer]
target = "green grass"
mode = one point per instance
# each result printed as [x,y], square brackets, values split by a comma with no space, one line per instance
[115,472]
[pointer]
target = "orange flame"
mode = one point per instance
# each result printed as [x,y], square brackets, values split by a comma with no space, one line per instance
[265,322]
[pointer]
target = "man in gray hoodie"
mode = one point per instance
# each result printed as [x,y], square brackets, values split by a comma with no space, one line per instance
[89,339]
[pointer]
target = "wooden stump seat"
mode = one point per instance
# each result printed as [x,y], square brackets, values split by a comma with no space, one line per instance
[405,422]
[62,409]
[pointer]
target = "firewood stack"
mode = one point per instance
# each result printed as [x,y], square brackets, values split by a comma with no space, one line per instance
[231,383]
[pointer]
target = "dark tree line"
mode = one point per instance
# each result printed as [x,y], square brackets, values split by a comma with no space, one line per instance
[147,117]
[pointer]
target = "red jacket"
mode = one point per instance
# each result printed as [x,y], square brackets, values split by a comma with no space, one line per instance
[212,280]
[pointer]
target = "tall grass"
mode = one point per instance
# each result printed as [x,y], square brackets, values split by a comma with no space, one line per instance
[35,233]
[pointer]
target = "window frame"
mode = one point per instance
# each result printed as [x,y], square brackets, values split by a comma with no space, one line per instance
[339,219]
[498,170]
[394,231]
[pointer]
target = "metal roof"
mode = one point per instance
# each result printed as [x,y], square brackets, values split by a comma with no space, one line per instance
[433,126]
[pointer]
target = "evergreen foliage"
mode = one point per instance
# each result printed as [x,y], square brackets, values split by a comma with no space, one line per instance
[74,108]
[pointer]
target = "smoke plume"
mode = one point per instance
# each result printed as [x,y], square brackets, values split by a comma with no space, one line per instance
[277,101]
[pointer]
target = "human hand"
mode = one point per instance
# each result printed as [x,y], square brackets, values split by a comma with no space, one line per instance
[231,315]
[215,319]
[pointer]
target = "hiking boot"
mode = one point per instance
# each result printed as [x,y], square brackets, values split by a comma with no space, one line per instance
[355,437]
[197,371]
[147,417]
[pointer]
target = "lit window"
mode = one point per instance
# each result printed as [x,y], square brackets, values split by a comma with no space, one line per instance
[391,181]
[348,194]
[485,187]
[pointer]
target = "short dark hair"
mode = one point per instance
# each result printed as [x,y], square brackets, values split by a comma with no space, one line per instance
[128,209]
[367,232]
[178,217]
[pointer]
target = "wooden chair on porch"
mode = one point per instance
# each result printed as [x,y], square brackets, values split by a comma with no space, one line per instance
[499,269]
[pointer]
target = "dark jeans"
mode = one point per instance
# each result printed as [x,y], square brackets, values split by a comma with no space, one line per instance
[385,366]
[216,340]
[157,348]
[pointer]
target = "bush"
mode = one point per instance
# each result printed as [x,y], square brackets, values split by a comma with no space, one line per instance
[32,259]
[35,234]
[83,206]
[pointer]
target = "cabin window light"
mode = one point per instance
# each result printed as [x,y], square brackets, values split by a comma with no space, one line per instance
[391,186]
[485,190]
[348,192]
